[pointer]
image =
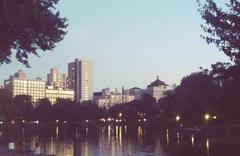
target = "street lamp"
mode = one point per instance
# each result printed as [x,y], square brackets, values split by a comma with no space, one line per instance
[207,117]
[178,118]
[120,115]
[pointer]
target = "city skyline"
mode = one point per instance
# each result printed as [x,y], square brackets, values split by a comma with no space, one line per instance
[126,42]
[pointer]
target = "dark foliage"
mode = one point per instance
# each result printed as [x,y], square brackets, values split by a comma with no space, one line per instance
[7,109]
[196,95]
[44,111]
[222,27]
[24,107]
[29,25]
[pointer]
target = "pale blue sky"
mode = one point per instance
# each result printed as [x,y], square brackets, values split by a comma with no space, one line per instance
[128,41]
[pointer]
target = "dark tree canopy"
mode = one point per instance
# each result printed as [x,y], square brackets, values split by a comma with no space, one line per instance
[222,26]
[196,95]
[29,25]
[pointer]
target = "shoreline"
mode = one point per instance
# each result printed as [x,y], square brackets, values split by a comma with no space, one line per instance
[4,151]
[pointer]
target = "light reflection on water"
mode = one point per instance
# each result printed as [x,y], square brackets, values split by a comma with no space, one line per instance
[192,140]
[207,147]
[178,138]
[110,140]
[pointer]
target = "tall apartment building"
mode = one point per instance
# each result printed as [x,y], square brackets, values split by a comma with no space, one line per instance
[80,79]
[56,79]
[20,74]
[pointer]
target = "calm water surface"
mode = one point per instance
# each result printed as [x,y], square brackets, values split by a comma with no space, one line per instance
[117,141]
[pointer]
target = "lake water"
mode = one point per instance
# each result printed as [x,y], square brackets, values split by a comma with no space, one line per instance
[117,141]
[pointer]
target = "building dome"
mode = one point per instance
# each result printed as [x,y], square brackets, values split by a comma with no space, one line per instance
[157,83]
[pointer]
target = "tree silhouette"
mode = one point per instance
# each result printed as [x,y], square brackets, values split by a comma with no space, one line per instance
[24,107]
[29,25]
[196,95]
[222,27]
[7,109]
[44,111]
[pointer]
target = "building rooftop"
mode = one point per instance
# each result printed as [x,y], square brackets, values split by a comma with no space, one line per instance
[97,93]
[157,82]
[135,88]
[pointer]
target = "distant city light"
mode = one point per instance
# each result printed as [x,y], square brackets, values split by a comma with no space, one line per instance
[120,115]
[214,117]
[207,117]
[144,120]
[103,120]
[178,118]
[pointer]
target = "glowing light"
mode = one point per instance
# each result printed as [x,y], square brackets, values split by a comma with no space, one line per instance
[1,122]
[207,144]
[56,121]
[207,117]
[192,139]
[207,147]
[167,137]
[57,131]
[178,118]
[86,121]
[13,122]
[120,135]
[144,120]
[140,135]
[23,121]
[178,138]
[214,117]
[139,120]
[120,115]
[109,132]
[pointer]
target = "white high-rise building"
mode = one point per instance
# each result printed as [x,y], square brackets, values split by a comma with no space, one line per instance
[80,79]
[56,79]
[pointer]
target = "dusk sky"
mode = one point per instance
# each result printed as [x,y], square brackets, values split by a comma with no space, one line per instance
[130,42]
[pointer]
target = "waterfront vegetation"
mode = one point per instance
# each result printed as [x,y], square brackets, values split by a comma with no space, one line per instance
[204,98]
[200,100]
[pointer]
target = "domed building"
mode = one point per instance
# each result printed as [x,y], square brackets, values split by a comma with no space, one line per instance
[157,88]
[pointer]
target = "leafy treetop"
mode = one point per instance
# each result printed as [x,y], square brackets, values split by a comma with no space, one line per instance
[29,25]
